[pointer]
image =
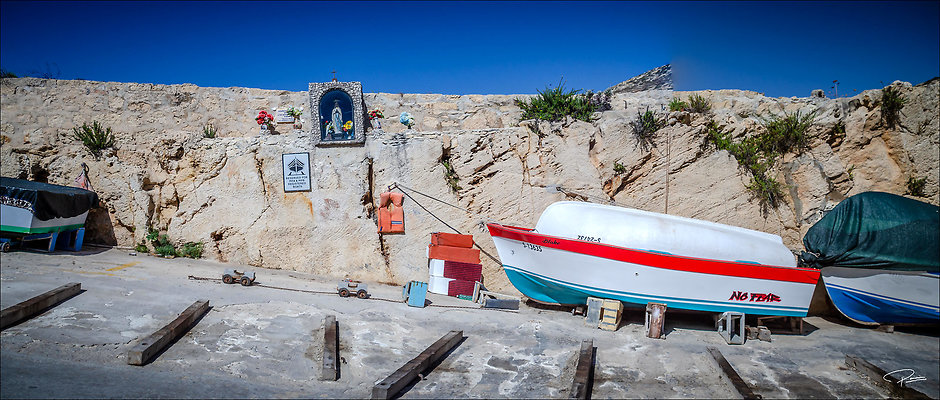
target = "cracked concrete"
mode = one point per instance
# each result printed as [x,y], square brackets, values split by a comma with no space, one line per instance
[262,342]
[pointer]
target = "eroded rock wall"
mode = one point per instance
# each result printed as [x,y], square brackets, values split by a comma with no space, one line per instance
[227,191]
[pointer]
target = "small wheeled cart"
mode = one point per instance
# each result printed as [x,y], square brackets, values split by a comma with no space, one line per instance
[233,276]
[348,287]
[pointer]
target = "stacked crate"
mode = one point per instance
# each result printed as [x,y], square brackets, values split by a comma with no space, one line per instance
[453,265]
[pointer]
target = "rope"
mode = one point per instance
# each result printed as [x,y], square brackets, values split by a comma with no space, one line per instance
[334,293]
[399,187]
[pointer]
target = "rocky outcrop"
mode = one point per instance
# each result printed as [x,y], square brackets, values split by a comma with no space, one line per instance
[227,191]
[655,79]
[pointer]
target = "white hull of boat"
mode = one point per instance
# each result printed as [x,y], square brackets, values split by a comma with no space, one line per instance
[874,296]
[21,220]
[554,269]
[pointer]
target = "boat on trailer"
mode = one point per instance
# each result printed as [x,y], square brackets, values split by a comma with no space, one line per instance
[579,250]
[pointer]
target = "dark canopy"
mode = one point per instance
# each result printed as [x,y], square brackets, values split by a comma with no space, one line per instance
[47,201]
[876,230]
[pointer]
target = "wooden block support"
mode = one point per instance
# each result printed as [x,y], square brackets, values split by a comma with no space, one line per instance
[655,320]
[583,373]
[395,382]
[18,313]
[330,370]
[732,375]
[148,347]
[881,377]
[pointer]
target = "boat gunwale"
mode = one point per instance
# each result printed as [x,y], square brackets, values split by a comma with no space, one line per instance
[743,266]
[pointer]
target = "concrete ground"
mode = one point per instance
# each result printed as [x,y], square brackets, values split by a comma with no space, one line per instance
[263,342]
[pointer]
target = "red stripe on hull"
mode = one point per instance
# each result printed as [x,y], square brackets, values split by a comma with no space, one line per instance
[665,261]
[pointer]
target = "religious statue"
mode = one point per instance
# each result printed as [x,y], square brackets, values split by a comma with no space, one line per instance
[337,118]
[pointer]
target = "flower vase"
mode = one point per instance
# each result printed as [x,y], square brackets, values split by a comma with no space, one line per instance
[376,124]
[297,123]
[264,129]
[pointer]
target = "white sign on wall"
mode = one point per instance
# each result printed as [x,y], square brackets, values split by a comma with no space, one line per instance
[281,116]
[296,168]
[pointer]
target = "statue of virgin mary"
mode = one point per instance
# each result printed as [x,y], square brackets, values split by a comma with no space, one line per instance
[337,120]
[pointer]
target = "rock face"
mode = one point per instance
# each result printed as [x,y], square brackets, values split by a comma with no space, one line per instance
[227,191]
[655,79]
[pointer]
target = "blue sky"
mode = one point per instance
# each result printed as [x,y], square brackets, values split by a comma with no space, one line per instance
[779,48]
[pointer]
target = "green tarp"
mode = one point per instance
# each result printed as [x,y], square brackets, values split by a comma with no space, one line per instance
[876,230]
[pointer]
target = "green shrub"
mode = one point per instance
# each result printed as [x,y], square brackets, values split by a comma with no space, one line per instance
[619,168]
[891,104]
[677,105]
[785,133]
[141,248]
[699,104]
[209,131]
[167,250]
[555,104]
[450,175]
[759,153]
[94,137]
[192,249]
[645,126]
[915,186]
[6,74]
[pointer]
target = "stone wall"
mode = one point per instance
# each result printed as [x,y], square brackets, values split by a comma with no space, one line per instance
[227,191]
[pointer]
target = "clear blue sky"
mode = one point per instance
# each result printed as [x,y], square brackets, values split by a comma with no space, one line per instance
[779,48]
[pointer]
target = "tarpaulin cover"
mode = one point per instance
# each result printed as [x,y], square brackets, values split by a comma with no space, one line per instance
[46,201]
[876,230]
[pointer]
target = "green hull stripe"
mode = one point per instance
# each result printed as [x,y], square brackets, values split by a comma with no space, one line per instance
[20,229]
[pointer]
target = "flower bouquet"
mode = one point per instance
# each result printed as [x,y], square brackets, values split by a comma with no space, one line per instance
[265,120]
[347,126]
[375,117]
[296,112]
[406,119]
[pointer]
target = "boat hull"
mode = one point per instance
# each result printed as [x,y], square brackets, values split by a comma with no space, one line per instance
[872,297]
[17,220]
[553,269]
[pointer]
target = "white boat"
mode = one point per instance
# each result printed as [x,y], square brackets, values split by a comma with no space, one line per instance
[28,207]
[581,249]
[879,296]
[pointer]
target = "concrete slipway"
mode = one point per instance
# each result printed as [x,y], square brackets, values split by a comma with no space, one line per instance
[262,342]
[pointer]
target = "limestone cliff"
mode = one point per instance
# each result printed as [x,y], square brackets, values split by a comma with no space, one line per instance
[227,192]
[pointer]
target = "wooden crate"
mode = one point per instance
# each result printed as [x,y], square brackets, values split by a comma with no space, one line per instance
[611,312]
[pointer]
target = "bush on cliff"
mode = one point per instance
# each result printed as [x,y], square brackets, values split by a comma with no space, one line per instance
[94,137]
[554,104]
[759,153]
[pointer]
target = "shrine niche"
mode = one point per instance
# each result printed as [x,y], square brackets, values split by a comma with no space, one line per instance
[337,110]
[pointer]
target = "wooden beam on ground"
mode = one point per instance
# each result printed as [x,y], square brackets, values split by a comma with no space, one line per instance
[880,377]
[583,373]
[150,346]
[732,375]
[15,314]
[395,382]
[330,368]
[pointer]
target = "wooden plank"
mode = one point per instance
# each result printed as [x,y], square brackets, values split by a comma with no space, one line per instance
[147,348]
[330,368]
[880,377]
[395,382]
[732,375]
[18,313]
[584,372]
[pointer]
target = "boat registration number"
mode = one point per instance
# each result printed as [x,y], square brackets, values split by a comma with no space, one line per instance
[589,238]
[533,247]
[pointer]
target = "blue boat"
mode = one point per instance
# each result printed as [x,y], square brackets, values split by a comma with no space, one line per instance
[879,256]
